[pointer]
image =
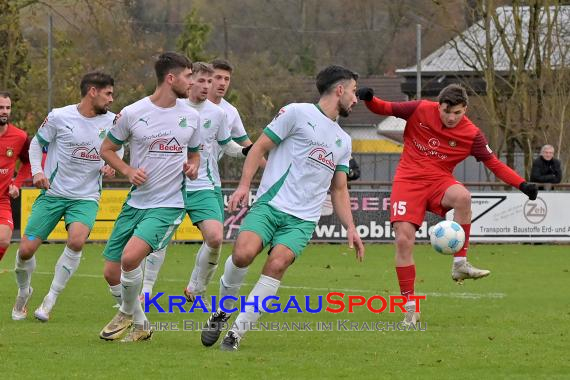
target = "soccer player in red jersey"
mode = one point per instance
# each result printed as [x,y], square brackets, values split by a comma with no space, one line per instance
[14,145]
[437,137]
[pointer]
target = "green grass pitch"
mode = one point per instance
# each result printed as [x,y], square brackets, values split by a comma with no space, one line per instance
[513,324]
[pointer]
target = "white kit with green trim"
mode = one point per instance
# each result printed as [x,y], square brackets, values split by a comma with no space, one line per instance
[311,148]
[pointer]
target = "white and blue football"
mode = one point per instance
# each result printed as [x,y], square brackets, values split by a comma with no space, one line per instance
[447,237]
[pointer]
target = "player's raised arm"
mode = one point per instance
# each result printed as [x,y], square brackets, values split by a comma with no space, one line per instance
[403,110]
[341,204]
[482,152]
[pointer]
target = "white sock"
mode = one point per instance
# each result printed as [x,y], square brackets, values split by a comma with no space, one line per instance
[24,270]
[459,259]
[266,286]
[231,281]
[116,293]
[139,317]
[153,263]
[64,268]
[204,268]
[410,304]
[130,286]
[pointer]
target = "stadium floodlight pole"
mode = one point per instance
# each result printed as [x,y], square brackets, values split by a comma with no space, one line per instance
[418,61]
[49,64]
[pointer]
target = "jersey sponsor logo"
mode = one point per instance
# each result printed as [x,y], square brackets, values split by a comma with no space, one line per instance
[85,154]
[183,123]
[318,143]
[312,125]
[165,146]
[3,171]
[422,125]
[68,127]
[433,142]
[323,158]
[427,151]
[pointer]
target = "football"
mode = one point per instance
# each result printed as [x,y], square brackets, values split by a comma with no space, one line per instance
[447,237]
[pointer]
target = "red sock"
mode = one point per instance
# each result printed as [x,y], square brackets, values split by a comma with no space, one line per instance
[3,252]
[463,251]
[406,278]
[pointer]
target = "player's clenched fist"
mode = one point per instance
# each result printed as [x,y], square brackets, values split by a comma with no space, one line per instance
[108,171]
[191,170]
[136,176]
[40,181]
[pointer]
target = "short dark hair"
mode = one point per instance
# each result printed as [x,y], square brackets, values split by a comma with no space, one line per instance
[170,62]
[453,95]
[95,79]
[5,94]
[199,67]
[222,64]
[331,75]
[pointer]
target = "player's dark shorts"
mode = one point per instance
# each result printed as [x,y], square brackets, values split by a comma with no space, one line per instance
[410,200]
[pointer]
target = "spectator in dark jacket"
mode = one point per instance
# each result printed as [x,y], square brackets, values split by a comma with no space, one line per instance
[546,168]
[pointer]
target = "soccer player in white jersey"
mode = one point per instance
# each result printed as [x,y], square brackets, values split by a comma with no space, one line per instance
[220,84]
[308,154]
[71,186]
[202,202]
[163,136]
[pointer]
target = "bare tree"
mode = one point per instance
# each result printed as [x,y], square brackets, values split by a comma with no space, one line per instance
[520,52]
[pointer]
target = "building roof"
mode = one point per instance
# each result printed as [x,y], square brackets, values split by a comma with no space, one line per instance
[460,55]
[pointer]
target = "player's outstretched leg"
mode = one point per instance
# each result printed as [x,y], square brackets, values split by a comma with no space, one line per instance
[266,286]
[66,265]
[152,266]
[23,270]
[462,269]
[131,282]
[230,283]
[204,269]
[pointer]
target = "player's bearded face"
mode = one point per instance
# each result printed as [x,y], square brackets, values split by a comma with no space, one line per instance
[451,115]
[182,83]
[5,110]
[347,99]
[103,100]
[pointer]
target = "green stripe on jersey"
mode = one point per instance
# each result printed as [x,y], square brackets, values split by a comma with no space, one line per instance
[224,142]
[241,138]
[42,141]
[276,139]
[341,168]
[273,190]
[114,139]
[51,178]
